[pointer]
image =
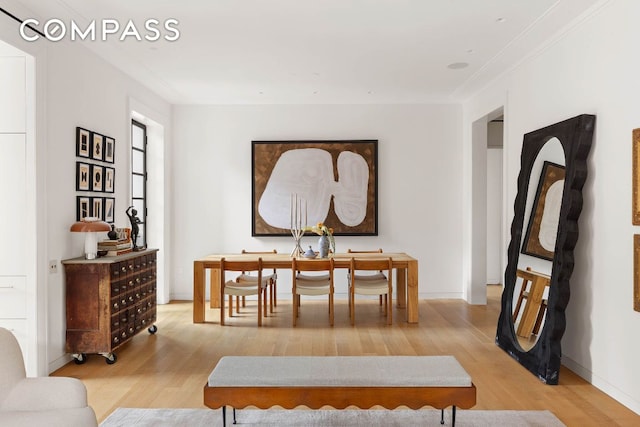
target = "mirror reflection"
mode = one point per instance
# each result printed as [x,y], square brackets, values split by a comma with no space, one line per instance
[542,213]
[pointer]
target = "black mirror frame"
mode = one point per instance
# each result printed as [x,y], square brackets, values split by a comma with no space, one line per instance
[576,136]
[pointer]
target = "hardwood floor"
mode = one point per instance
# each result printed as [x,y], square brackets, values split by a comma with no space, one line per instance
[170,369]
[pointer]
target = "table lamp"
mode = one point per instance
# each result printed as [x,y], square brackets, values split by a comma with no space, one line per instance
[90,226]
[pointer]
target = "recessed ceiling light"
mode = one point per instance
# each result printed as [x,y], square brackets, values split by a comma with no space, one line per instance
[458,65]
[501,20]
[469,51]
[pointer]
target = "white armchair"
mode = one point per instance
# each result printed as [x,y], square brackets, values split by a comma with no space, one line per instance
[42,401]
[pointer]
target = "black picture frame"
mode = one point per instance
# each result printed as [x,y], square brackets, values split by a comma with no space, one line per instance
[97,207]
[83,176]
[97,178]
[83,142]
[97,146]
[109,209]
[271,195]
[83,207]
[109,149]
[109,180]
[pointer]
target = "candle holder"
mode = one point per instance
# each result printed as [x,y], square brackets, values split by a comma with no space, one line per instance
[298,213]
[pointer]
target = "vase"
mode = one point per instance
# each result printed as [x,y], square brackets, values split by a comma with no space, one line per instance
[323,246]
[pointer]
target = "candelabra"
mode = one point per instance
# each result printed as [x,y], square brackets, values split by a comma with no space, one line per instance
[298,213]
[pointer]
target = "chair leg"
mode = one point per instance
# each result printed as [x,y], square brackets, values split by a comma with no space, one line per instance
[295,309]
[331,309]
[231,305]
[259,305]
[536,327]
[275,293]
[380,299]
[238,304]
[388,303]
[264,301]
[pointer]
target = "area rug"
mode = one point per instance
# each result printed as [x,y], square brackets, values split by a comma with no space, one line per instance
[129,417]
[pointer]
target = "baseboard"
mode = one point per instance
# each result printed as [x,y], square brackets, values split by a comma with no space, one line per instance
[601,384]
[58,363]
[337,295]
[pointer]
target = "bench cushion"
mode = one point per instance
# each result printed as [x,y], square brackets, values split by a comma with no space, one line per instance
[356,371]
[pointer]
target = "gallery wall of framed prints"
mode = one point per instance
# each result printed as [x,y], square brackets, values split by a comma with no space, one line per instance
[95,175]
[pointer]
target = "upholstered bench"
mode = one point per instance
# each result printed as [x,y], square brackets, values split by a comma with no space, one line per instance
[339,381]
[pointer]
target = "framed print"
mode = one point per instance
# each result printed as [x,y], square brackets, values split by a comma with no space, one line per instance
[636,178]
[109,179]
[83,207]
[83,143]
[312,171]
[109,208]
[109,149]
[97,178]
[540,239]
[97,145]
[97,207]
[83,176]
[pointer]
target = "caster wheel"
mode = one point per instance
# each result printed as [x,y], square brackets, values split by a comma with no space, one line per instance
[80,359]
[111,359]
[153,329]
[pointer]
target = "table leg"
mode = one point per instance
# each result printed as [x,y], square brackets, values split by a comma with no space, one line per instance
[401,287]
[214,301]
[198,292]
[412,291]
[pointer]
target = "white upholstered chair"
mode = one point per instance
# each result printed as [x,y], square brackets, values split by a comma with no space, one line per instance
[41,401]
[270,279]
[310,284]
[243,288]
[372,284]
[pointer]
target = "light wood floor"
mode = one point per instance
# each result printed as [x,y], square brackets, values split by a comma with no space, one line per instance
[170,369]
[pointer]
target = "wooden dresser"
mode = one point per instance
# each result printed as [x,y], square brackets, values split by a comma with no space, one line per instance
[109,300]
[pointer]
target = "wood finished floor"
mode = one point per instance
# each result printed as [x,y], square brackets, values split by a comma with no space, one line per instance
[170,369]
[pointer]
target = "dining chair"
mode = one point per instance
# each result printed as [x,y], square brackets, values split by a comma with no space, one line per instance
[233,288]
[270,279]
[524,295]
[371,284]
[312,284]
[369,275]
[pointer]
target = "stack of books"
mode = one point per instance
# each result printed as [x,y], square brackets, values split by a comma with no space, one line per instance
[115,247]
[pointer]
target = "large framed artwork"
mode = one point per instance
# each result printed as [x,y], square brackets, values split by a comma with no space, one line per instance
[336,183]
[540,240]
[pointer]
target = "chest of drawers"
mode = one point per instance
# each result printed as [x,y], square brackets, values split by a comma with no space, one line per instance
[109,300]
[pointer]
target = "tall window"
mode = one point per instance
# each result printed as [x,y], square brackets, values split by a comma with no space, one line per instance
[139,177]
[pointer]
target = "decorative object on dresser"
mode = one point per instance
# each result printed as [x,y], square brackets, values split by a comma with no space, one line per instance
[108,301]
[132,213]
[90,226]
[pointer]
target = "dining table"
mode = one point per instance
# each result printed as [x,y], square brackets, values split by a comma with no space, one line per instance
[405,266]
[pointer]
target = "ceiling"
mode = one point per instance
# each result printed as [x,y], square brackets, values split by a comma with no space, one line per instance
[318,51]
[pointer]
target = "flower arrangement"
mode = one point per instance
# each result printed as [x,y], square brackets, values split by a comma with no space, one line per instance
[322,230]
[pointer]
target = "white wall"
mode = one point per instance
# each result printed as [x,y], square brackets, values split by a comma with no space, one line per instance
[590,68]
[419,194]
[74,88]
[495,253]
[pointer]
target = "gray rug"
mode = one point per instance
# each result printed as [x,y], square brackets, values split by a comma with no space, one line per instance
[128,417]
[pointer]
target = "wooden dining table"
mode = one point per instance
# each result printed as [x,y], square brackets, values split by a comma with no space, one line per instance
[406,277]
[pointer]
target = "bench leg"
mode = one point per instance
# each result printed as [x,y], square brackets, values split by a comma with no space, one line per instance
[453,416]
[224,416]
[234,415]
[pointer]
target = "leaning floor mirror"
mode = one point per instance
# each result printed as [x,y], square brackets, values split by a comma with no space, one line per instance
[544,233]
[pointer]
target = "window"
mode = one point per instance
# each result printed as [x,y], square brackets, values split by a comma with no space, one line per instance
[139,177]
